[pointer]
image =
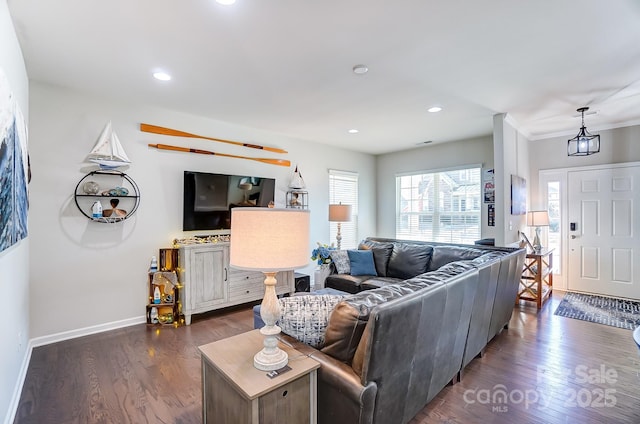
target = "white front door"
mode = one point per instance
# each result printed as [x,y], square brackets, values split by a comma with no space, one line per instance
[603,216]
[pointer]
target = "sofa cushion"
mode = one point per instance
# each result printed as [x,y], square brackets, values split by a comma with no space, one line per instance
[345,282]
[408,260]
[305,317]
[350,317]
[340,259]
[381,254]
[442,255]
[376,282]
[361,262]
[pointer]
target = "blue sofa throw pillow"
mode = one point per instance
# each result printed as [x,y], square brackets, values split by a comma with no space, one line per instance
[361,262]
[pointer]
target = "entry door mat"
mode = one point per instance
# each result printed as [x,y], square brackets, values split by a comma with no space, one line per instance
[610,311]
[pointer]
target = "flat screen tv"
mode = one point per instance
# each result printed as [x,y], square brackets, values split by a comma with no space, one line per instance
[208,198]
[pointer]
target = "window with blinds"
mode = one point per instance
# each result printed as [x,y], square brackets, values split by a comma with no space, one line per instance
[343,188]
[440,206]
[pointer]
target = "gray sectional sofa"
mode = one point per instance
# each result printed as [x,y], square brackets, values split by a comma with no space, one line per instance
[401,336]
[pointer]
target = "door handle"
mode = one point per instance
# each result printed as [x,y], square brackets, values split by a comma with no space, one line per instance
[573,236]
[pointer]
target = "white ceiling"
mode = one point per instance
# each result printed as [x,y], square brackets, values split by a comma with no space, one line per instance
[286,65]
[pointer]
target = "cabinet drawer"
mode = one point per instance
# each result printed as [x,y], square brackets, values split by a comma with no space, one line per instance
[253,289]
[244,278]
[249,291]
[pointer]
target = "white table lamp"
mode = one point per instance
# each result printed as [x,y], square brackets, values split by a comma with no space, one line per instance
[339,213]
[537,219]
[269,240]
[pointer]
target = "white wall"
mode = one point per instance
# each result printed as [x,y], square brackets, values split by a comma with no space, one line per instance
[617,145]
[14,261]
[89,275]
[437,156]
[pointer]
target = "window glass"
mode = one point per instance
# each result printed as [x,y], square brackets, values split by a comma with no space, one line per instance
[439,206]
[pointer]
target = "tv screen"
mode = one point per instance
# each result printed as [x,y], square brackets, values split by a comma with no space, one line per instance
[208,198]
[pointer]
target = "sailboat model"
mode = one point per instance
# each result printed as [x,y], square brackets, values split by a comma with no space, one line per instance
[296,180]
[108,152]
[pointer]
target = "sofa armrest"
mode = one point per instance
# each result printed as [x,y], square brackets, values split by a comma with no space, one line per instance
[341,396]
[342,399]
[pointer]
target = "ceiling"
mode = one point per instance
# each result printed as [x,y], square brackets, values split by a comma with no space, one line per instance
[286,65]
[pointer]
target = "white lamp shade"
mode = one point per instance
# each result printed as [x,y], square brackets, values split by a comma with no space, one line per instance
[268,240]
[339,213]
[537,218]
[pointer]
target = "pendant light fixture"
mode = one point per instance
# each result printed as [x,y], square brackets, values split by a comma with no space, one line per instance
[583,144]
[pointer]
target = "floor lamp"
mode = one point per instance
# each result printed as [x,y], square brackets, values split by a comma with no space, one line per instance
[269,240]
[339,213]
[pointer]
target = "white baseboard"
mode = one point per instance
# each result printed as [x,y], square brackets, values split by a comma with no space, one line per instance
[80,332]
[54,338]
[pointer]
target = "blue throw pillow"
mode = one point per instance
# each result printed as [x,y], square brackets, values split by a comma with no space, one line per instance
[361,262]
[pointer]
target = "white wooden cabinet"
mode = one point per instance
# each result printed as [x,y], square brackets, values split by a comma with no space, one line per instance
[209,282]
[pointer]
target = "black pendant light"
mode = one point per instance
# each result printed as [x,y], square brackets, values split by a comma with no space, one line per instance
[584,144]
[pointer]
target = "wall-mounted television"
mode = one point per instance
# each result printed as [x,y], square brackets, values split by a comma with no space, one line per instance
[208,198]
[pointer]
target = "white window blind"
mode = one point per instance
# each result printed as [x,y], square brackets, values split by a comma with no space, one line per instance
[439,206]
[343,188]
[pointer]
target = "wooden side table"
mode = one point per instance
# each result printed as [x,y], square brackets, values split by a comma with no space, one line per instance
[235,392]
[536,281]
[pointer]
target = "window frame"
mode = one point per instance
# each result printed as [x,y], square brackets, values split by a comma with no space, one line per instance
[448,215]
[347,195]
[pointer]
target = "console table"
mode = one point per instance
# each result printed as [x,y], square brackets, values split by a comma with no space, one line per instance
[536,281]
[235,392]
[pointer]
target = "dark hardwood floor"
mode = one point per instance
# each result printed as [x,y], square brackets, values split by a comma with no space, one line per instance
[543,369]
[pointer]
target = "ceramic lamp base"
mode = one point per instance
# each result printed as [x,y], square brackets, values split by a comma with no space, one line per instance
[536,240]
[271,357]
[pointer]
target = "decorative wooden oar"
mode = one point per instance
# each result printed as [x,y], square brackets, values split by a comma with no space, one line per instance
[280,162]
[168,131]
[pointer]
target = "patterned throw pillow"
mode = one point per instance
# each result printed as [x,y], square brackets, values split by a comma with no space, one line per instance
[341,259]
[306,317]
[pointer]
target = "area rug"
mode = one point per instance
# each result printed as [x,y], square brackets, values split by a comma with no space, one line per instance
[619,313]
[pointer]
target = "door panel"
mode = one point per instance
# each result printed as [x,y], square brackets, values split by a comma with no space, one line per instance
[602,252]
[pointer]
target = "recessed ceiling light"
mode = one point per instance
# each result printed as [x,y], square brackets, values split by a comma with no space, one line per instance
[434,109]
[226,2]
[360,69]
[353,131]
[162,76]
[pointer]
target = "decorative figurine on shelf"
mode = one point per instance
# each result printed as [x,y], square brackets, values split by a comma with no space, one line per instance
[156,295]
[91,187]
[297,195]
[118,191]
[96,209]
[297,182]
[153,315]
[114,211]
[153,267]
